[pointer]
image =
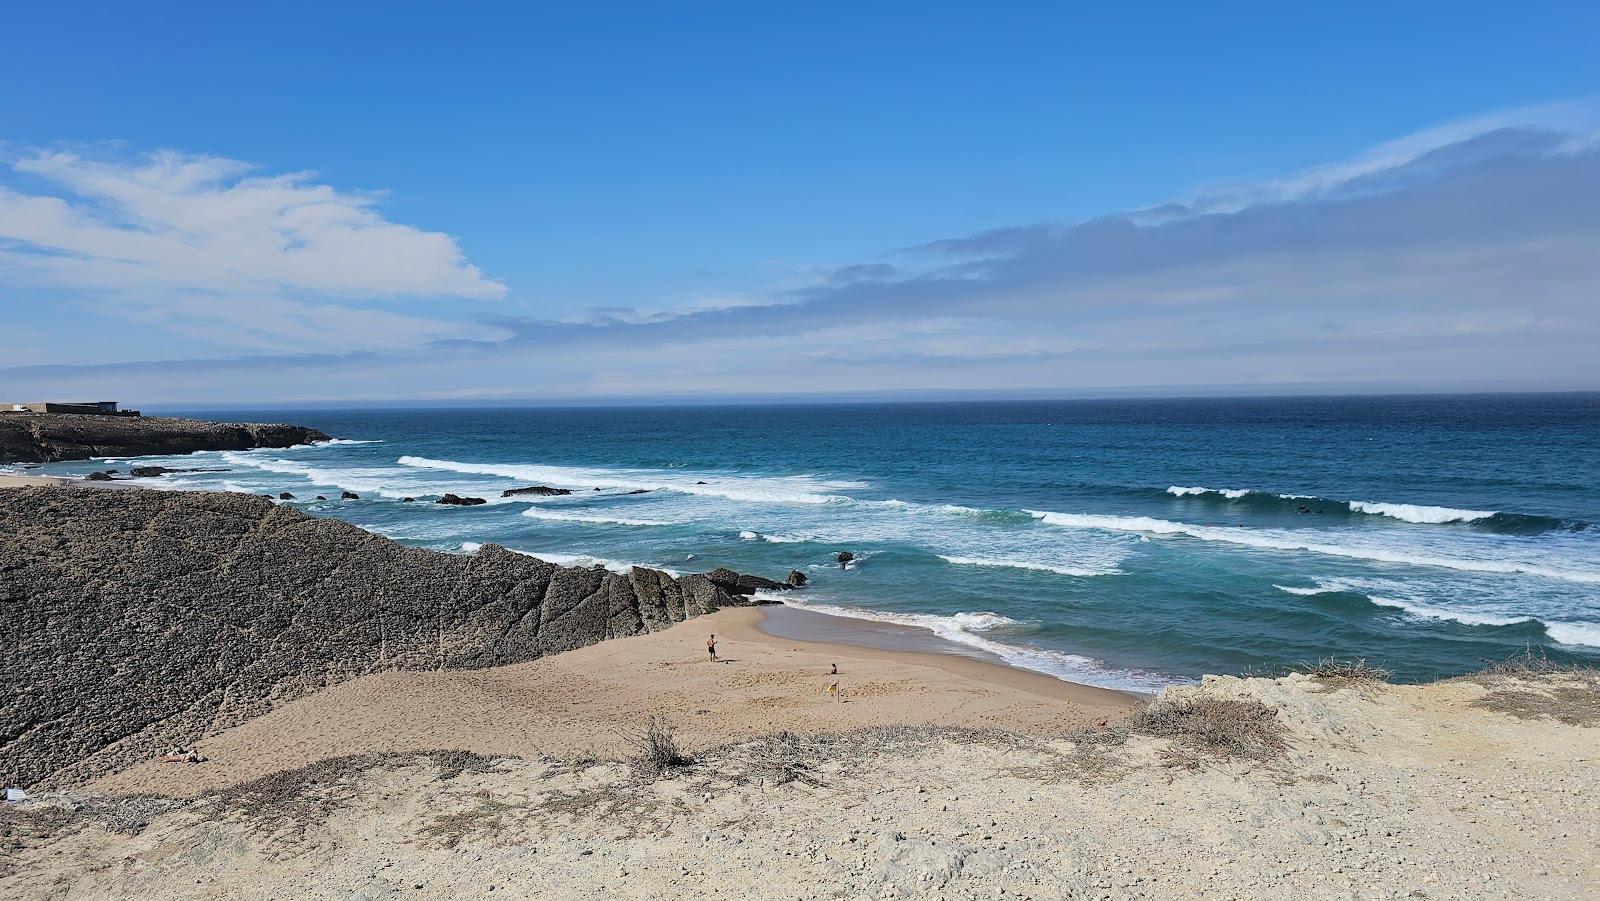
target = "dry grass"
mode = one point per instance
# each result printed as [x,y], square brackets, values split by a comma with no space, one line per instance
[656,751]
[1533,663]
[1354,671]
[1575,705]
[1197,728]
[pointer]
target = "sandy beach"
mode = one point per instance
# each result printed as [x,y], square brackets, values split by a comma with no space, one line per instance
[585,702]
[10,480]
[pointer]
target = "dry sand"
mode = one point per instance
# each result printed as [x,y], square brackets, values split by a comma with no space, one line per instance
[1451,790]
[18,481]
[586,701]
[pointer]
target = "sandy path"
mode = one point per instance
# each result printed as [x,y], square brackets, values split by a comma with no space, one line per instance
[584,701]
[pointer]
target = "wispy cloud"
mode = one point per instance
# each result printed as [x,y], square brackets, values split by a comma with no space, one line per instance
[276,260]
[1465,255]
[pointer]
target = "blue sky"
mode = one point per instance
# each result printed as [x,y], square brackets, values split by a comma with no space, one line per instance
[536,202]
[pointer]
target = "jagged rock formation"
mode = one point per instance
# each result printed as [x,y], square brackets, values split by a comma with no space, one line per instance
[46,437]
[538,491]
[137,620]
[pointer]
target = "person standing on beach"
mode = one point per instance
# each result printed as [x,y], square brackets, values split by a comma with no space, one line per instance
[711,646]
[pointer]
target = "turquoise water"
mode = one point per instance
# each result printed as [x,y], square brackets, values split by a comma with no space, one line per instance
[1122,543]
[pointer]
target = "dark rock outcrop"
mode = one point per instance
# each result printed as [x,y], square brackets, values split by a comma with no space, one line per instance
[137,620]
[796,578]
[285,496]
[98,476]
[45,437]
[537,490]
[844,558]
[459,501]
[349,496]
[742,585]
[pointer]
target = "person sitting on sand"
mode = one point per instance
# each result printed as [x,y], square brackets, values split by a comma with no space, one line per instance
[711,646]
[833,669]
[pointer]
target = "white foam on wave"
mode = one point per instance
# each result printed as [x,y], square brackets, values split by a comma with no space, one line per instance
[1429,611]
[1057,568]
[1231,494]
[799,489]
[596,518]
[1576,634]
[970,628]
[1419,513]
[1384,594]
[352,479]
[580,560]
[1287,541]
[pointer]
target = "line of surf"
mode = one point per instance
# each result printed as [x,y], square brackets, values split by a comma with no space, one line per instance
[1287,541]
[799,489]
[1566,633]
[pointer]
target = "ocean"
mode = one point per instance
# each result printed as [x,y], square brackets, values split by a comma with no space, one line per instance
[1124,543]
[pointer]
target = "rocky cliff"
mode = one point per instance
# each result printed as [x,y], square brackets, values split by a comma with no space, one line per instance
[45,437]
[135,620]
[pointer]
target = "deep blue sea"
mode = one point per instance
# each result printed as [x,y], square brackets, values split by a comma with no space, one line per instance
[1127,543]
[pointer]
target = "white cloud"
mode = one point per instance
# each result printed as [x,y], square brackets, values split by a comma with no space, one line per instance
[178,235]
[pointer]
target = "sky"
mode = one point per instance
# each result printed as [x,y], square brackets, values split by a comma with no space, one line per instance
[493,203]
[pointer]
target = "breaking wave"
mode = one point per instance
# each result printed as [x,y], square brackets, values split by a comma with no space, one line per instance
[579,560]
[596,518]
[1057,568]
[1567,633]
[801,489]
[1281,540]
[1418,514]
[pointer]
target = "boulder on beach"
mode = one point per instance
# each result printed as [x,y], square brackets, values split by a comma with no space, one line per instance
[98,477]
[536,490]
[458,501]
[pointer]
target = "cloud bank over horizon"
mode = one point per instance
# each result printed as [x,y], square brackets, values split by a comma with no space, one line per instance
[1466,255]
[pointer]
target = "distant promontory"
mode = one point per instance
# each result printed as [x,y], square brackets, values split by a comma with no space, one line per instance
[27,437]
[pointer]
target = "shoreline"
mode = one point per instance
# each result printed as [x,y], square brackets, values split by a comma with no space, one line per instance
[848,634]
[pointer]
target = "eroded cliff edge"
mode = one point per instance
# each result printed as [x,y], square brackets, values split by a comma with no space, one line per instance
[141,619]
[48,437]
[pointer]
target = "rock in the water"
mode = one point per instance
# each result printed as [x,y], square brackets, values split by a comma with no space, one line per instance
[741,584]
[408,500]
[45,437]
[538,490]
[636,491]
[461,501]
[796,578]
[349,496]
[138,620]
[285,496]
[844,558]
[321,498]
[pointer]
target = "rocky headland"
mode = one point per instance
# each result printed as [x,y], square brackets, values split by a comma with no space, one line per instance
[137,620]
[50,437]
